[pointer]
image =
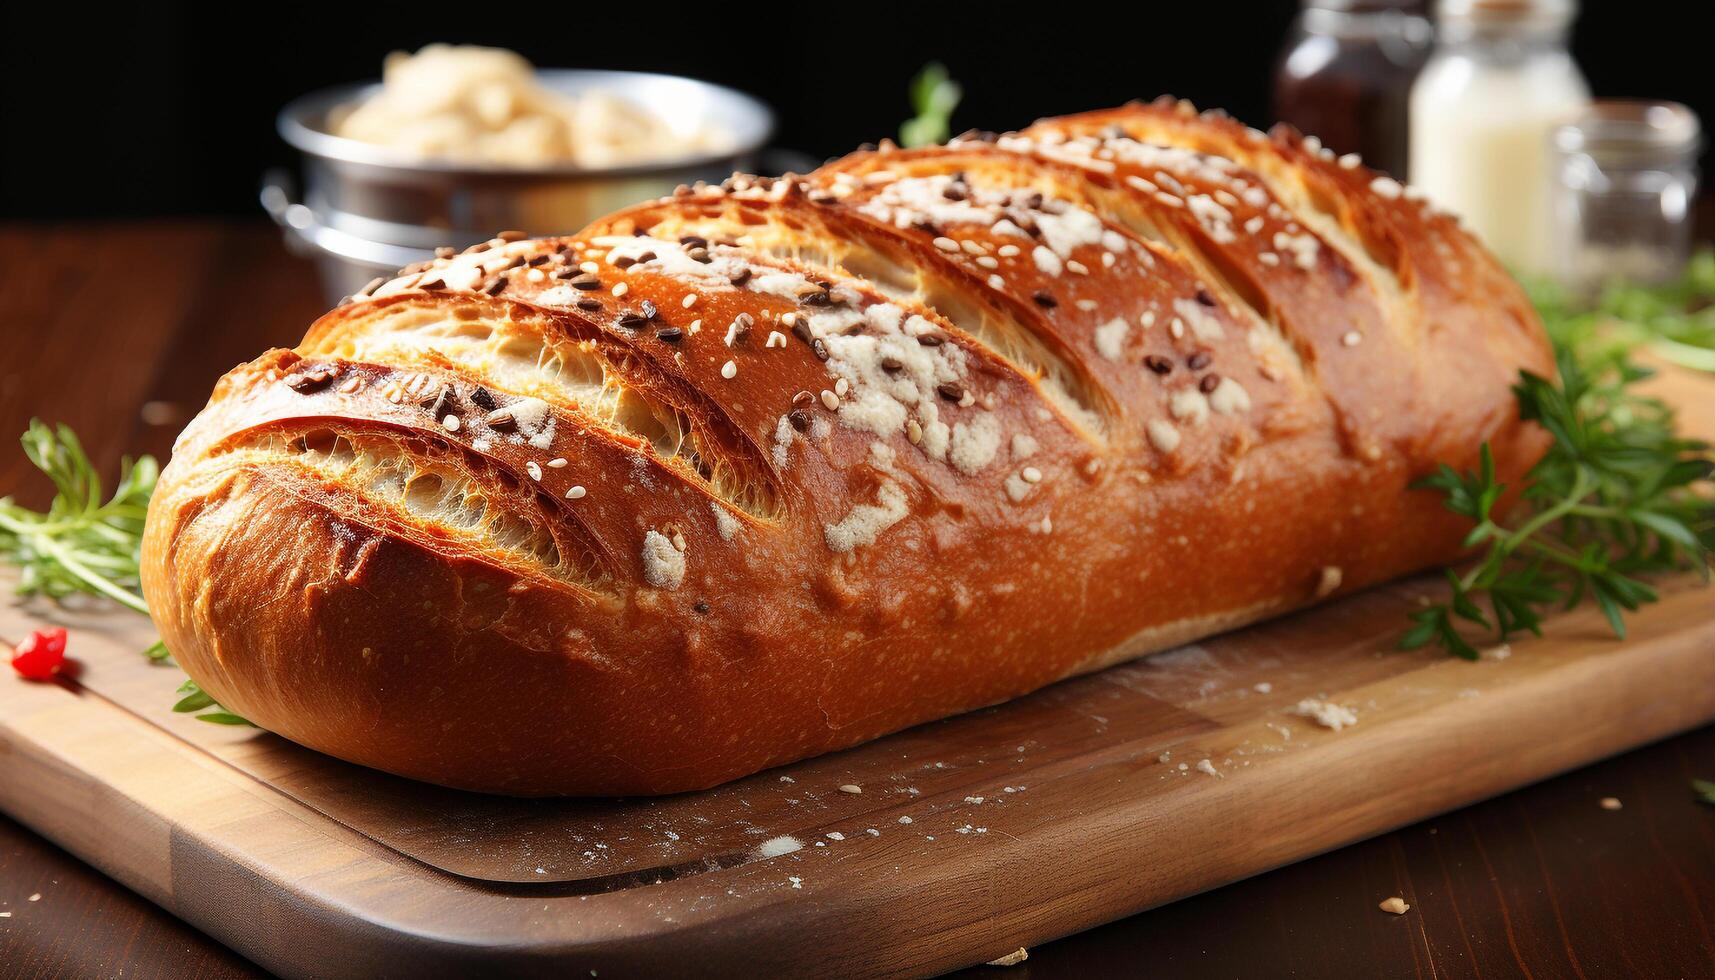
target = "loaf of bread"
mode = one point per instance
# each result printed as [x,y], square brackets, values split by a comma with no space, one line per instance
[767,469]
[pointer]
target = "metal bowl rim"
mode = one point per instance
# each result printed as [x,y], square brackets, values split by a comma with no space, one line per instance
[294,127]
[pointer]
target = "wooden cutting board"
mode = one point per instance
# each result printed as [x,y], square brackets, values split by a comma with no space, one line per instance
[971,837]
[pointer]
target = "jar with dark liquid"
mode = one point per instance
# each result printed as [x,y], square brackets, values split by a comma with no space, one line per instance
[1345,76]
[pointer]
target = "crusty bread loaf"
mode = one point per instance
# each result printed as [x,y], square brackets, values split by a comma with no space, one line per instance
[759,471]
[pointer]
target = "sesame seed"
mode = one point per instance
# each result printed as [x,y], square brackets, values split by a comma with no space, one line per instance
[1162,435]
[996,282]
[913,431]
[1198,361]
[830,400]
[689,301]
[620,289]
[1007,251]
[851,788]
[950,391]
[775,339]
[1043,299]
[534,469]
[1031,474]
[450,423]
[841,387]
[946,244]
[1073,265]
[589,267]
[729,370]
[557,462]
[1158,364]
[1352,338]
[576,492]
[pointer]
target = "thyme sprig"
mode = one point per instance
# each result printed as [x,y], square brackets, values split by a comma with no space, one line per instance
[80,543]
[83,544]
[1618,497]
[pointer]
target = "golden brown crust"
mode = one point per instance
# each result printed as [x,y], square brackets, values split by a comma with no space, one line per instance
[764,470]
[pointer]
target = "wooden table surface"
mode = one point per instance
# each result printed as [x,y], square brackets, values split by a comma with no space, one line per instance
[120,330]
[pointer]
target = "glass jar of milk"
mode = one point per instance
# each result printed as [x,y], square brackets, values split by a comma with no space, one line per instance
[1499,83]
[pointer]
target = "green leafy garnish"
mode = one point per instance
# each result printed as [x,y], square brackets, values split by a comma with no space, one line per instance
[1618,497]
[80,543]
[1704,789]
[934,96]
[196,699]
[1676,319]
[84,545]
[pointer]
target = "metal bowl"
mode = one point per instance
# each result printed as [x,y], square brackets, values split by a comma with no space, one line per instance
[367,210]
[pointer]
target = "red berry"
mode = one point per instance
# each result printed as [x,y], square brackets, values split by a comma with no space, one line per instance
[41,654]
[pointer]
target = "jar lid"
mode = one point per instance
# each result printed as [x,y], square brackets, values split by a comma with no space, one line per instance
[1529,14]
[1632,131]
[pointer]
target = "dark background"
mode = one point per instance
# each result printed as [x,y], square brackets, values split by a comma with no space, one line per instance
[168,108]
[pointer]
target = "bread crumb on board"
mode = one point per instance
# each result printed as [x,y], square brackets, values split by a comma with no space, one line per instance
[1396,905]
[851,788]
[776,846]
[1611,803]
[1013,958]
[1325,713]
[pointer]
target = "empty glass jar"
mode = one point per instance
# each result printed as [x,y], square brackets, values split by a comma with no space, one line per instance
[1627,177]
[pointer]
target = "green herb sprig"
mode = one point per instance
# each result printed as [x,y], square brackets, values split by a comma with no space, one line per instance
[80,543]
[1618,497]
[83,544]
[1675,319]
[934,96]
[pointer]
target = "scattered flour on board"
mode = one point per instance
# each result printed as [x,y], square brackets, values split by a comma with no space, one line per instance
[1325,713]
[776,846]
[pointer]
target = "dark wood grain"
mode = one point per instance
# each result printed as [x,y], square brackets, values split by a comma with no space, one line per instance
[102,319]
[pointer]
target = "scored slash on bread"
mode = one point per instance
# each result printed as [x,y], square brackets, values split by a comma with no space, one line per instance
[767,469]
